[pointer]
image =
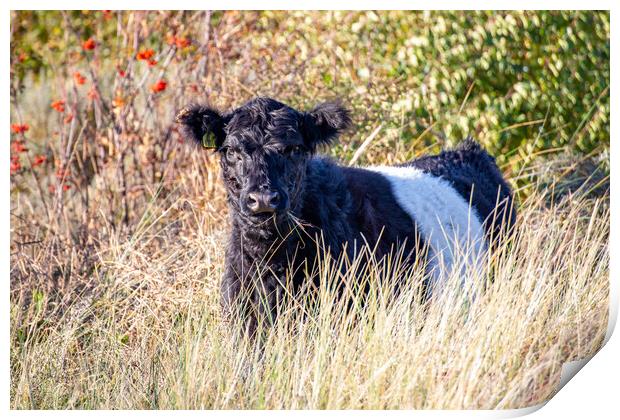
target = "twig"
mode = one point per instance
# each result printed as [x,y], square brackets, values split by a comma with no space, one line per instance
[365,144]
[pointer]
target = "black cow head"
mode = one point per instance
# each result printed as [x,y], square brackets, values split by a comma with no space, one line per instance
[264,147]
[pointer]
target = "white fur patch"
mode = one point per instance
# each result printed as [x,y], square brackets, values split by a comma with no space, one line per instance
[448,224]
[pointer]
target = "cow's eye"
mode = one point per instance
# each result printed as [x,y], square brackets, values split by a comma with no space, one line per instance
[232,155]
[293,150]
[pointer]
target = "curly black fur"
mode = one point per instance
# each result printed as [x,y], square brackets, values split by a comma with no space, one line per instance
[268,146]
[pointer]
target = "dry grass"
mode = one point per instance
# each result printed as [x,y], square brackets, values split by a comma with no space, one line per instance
[148,334]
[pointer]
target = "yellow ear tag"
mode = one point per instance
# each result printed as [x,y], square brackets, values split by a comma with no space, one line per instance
[208,140]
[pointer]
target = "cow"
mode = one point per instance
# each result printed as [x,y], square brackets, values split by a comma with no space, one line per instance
[282,195]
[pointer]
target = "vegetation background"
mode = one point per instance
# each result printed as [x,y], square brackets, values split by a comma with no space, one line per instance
[117,226]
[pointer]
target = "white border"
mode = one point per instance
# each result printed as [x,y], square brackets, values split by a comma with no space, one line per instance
[313,5]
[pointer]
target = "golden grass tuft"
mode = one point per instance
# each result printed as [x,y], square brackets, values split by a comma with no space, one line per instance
[149,333]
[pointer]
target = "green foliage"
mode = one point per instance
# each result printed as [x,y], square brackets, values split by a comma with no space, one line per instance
[522,82]
[529,80]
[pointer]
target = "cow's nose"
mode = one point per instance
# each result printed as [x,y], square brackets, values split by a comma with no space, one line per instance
[263,202]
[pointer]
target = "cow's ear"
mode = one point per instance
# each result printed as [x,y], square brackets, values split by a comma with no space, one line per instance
[324,123]
[203,125]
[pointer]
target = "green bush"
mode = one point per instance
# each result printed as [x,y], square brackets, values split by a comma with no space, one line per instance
[527,81]
[521,82]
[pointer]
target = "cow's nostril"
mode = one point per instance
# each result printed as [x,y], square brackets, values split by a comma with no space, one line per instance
[263,202]
[274,199]
[253,201]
